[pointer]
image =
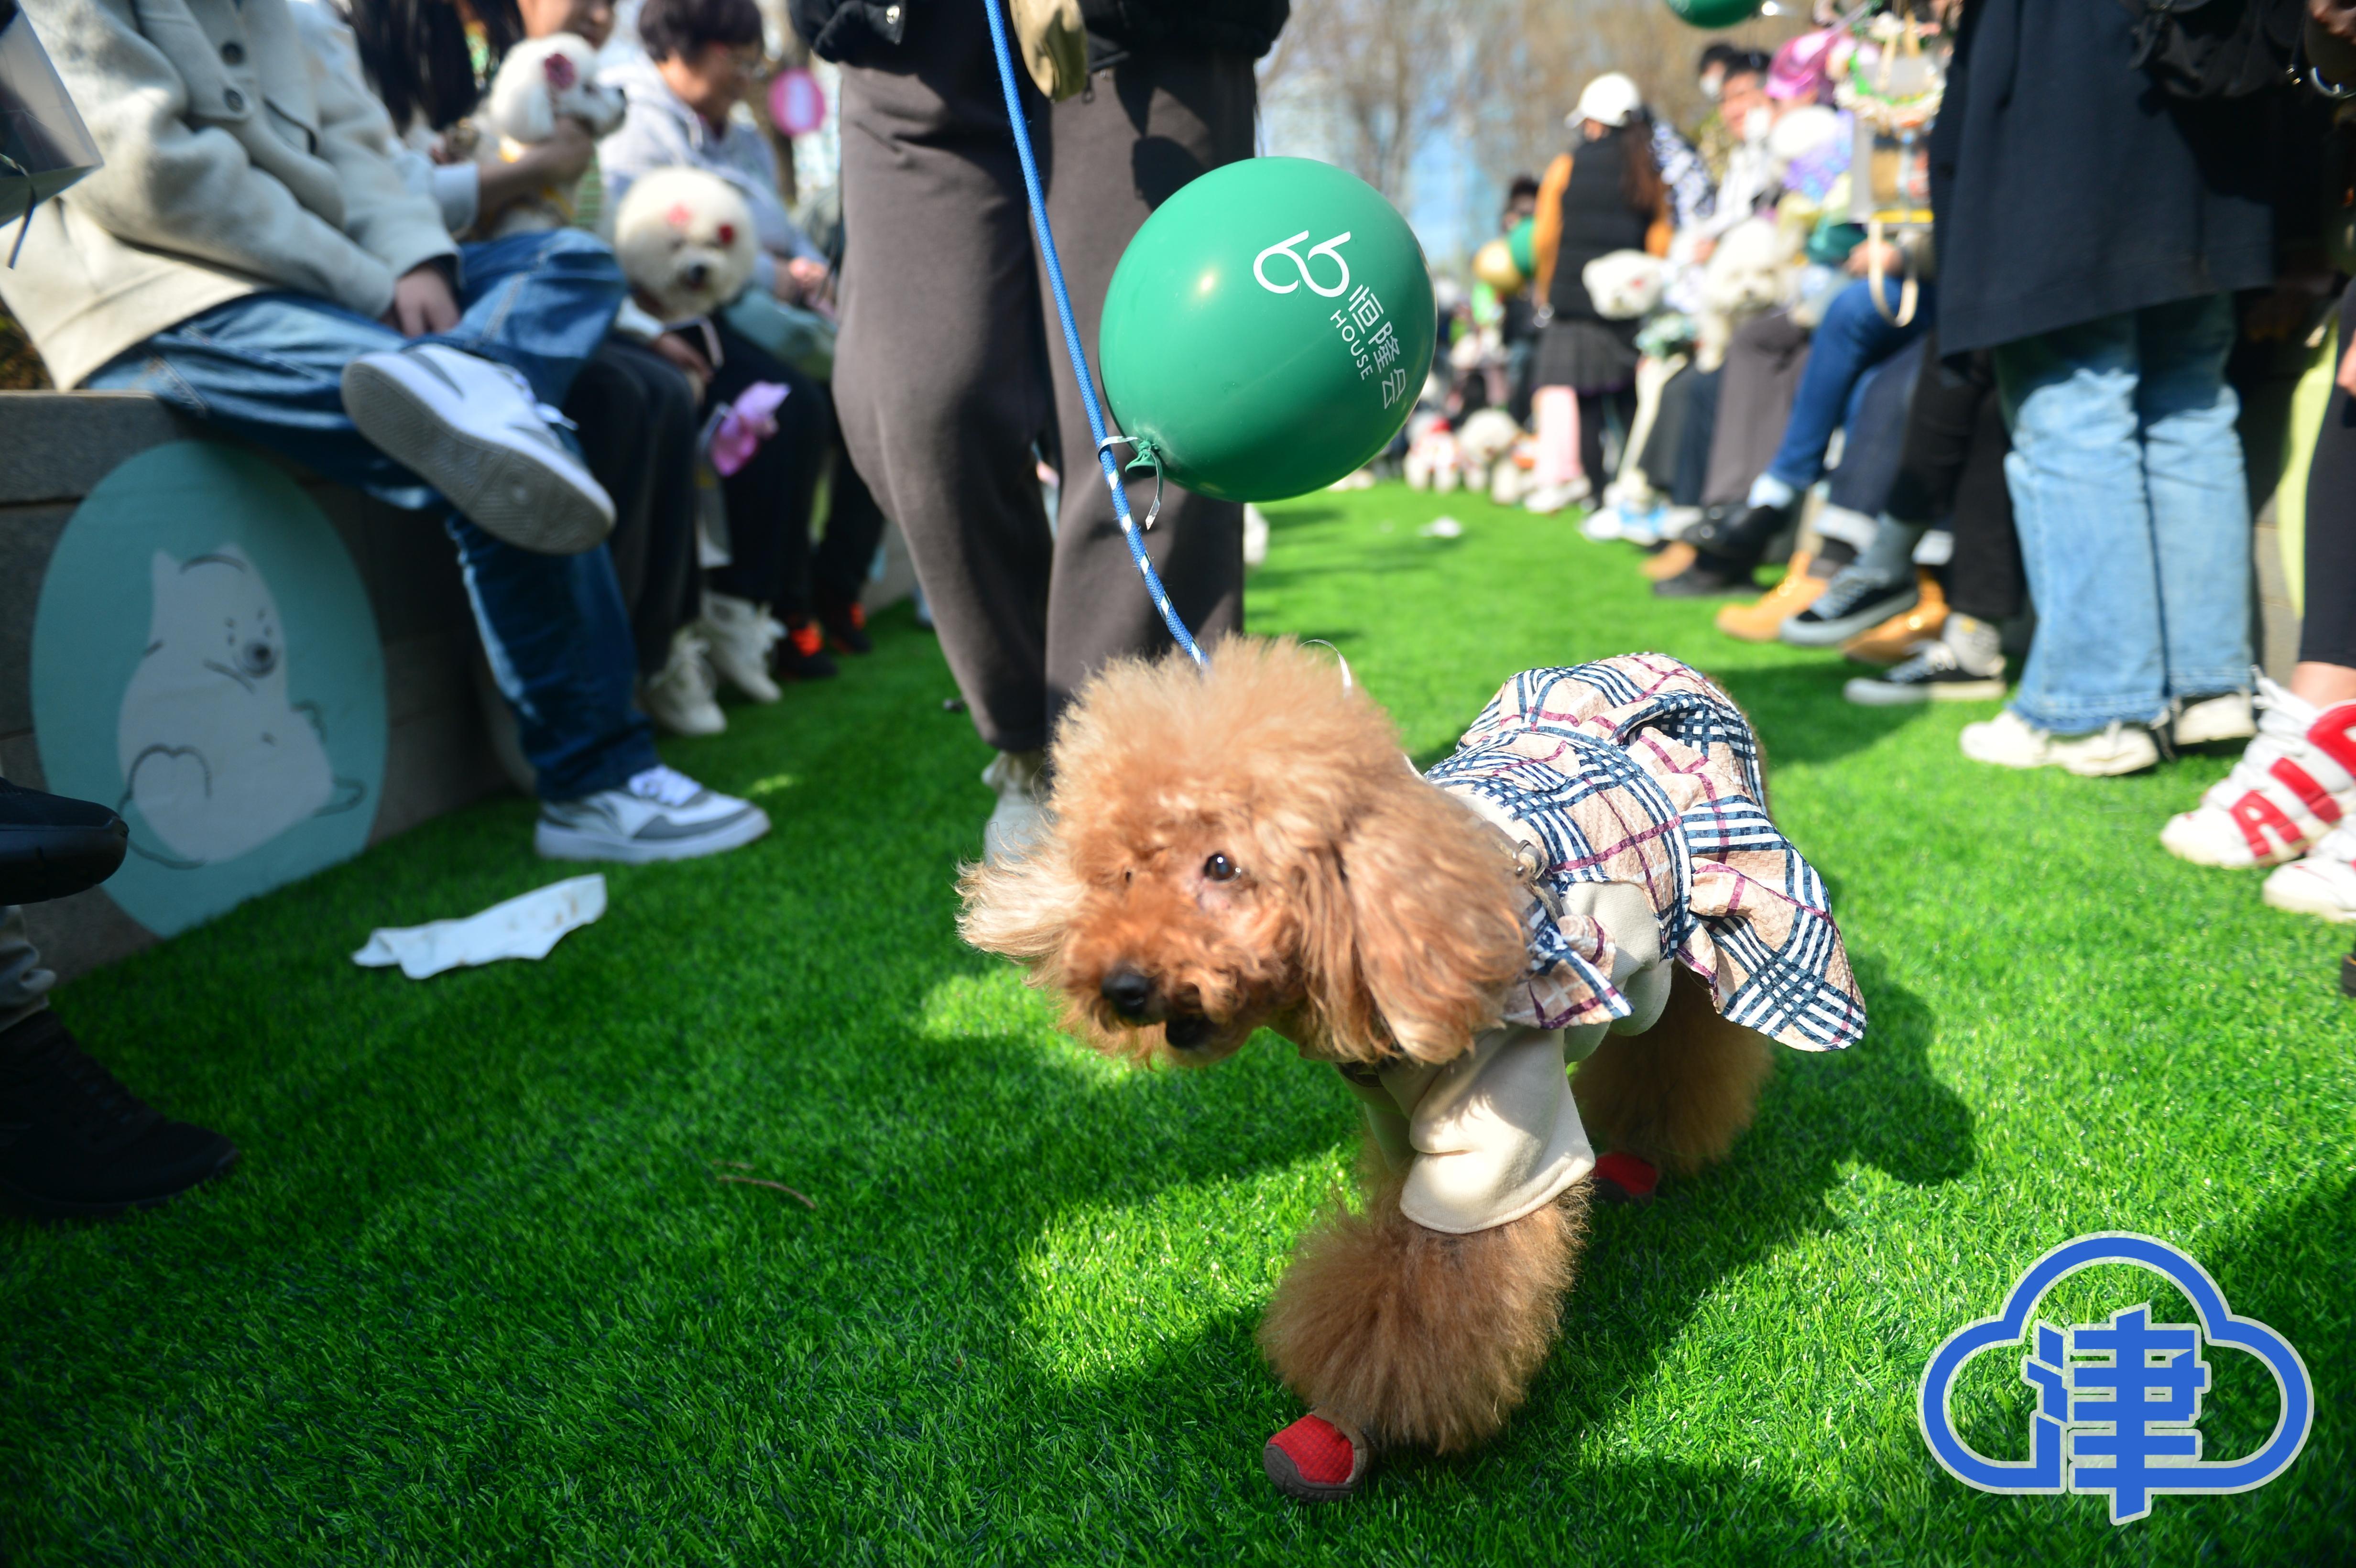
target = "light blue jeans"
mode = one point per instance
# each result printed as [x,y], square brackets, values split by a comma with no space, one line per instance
[2127,490]
[270,368]
[1851,339]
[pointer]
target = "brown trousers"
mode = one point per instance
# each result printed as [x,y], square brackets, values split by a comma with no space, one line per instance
[950,345]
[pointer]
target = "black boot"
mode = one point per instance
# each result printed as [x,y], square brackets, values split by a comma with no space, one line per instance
[75,1143]
[1728,548]
[51,846]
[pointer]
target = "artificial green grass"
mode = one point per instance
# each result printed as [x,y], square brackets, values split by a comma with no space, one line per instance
[476,1296]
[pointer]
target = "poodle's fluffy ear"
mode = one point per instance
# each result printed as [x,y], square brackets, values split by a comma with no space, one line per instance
[1022,909]
[1413,929]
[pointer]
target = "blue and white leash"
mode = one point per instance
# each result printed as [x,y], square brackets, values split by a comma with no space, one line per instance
[1129,528]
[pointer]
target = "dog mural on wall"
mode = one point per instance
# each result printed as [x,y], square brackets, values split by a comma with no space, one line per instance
[216,757]
[1592,880]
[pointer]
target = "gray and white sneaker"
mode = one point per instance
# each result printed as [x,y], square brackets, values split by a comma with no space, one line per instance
[1020,818]
[472,430]
[1854,601]
[660,815]
[1934,674]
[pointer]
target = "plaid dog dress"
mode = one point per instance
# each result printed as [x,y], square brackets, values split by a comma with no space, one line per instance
[1630,790]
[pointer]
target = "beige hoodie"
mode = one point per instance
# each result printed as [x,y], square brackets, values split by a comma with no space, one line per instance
[236,161]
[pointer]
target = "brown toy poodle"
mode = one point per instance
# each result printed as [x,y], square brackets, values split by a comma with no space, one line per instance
[1591,878]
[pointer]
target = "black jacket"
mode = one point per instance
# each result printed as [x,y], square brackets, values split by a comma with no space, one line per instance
[860,32]
[2068,186]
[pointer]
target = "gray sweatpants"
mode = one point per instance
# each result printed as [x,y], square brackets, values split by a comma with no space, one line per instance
[949,344]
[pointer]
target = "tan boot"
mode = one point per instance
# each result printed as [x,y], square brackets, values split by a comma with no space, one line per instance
[1670,559]
[1761,621]
[1897,637]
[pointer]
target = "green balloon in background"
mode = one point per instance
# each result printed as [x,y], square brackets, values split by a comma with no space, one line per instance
[1268,329]
[1523,241]
[1715,13]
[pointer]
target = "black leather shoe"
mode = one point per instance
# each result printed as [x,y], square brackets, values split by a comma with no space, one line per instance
[1707,575]
[1738,537]
[51,846]
[74,1142]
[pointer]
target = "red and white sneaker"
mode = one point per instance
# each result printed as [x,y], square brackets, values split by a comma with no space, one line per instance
[2321,883]
[1319,1458]
[2294,785]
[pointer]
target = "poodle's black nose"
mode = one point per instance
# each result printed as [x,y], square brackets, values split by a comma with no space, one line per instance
[1130,990]
[695,274]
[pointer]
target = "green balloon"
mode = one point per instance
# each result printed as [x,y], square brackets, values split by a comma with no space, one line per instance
[1715,13]
[1268,329]
[1523,241]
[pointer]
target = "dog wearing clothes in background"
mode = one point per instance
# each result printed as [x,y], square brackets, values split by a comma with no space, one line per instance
[540,80]
[1591,878]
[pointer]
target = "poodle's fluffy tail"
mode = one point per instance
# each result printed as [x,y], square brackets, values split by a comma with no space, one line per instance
[1682,1092]
[1420,1338]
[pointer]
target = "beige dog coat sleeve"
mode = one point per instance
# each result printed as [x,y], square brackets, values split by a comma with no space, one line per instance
[1484,1139]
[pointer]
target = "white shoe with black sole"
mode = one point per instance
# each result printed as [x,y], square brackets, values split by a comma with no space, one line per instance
[660,815]
[470,429]
[1934,674]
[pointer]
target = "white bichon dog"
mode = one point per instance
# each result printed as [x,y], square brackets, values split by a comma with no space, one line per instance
[686,243]
[541,81]
[1625,284]
[1486,439]
[1751,271]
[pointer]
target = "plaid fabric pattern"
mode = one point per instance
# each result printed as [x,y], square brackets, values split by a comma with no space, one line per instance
[1638,770]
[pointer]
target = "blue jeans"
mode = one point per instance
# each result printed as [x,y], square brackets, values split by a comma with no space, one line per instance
[1853,338]
[270,368]
[2127,490]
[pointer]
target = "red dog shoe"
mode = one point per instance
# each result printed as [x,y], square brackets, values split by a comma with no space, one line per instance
[1318,1459]
[1624,1179]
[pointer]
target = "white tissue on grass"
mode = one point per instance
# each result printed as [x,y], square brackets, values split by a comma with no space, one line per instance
[1443,528]
[524,927]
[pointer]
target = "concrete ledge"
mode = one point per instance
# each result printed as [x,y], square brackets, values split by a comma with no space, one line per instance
[54,448]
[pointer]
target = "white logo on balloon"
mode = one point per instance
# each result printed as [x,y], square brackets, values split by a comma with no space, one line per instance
[1284,248]
[217,759]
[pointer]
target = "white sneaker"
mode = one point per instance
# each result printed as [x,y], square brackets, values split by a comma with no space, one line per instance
[678,697]
[2215,718]
[660,815]
[2296,780]
[1020,817]
[1548,500]
[741,635]
[470,429]
[2322,883]
[2011,741]
[1601,524]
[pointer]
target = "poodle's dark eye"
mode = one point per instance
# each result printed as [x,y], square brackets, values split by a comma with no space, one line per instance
[1219,869]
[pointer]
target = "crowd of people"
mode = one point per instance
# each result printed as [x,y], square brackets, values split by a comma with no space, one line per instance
[307,232]
[1937,308]
[1945,308]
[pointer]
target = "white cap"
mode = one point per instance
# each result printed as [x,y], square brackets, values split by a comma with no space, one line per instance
[1609,100]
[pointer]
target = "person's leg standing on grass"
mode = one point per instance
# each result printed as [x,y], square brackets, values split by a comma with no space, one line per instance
[1141,128]
[2097,676]
[73,1141]
[2292,796]
[940,377]
[2200,513]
